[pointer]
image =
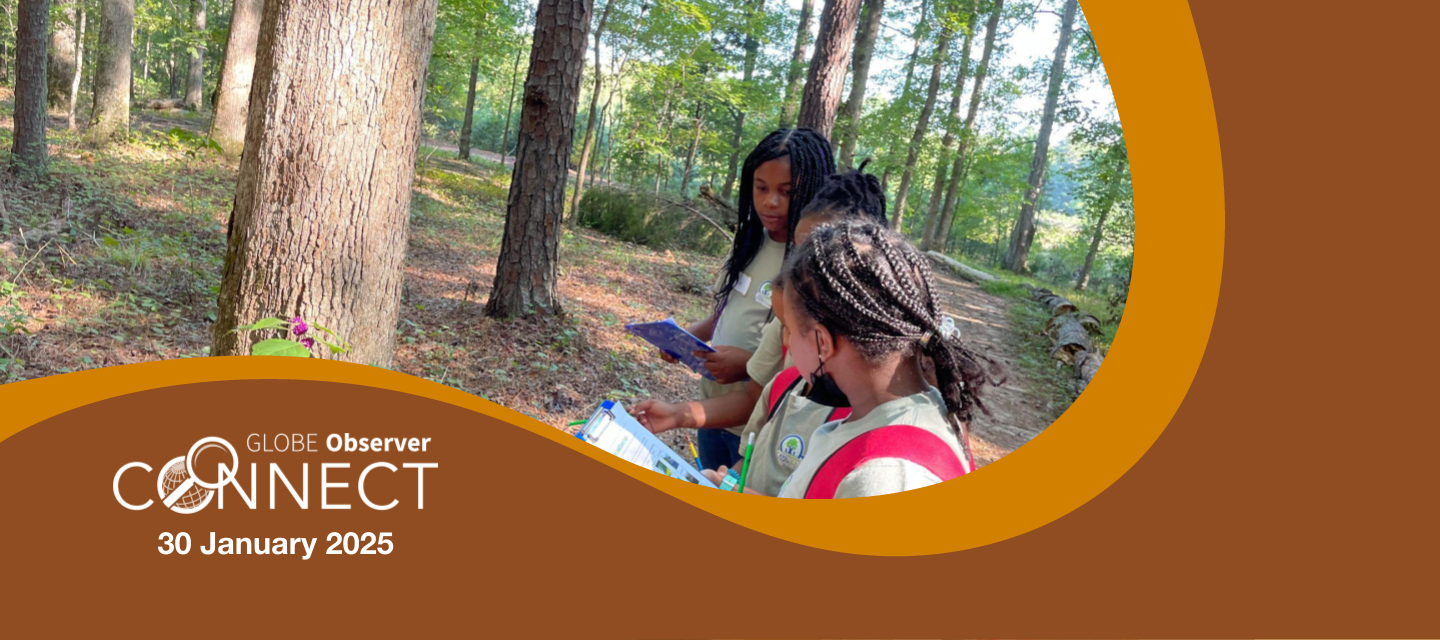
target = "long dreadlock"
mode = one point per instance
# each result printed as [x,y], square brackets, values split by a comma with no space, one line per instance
[853,193]
[866,283]
[810,162]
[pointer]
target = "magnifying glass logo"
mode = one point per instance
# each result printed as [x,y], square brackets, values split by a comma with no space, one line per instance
[192,479]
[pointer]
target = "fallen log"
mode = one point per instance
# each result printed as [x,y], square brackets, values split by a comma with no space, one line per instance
[965,271]
[1087,364]
[1070,336]
[1058,305]
[164,104]
[1091,323]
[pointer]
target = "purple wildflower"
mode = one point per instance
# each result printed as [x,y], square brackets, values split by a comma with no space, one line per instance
[308,342]
[298,326]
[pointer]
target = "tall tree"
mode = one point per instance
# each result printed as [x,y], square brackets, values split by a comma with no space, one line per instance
[699,126]
[467,129]
[826,78]
[587,144]
[796,71]
[232,98]
[1017,257]
[922,125]
[110,117]
[510,106]
[61,62]
[872,13]
[331,251]
[752,50]
[1105,187]
[951,122]
[79,66]
[195,79]
[29,153]
[941,233]
[525,273]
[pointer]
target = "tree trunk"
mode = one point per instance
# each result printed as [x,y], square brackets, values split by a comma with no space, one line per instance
[1017,258]
[110,118]
[918,35]
[5,44]
[826,79]
[467,129]
[1083,280]
[61,63]
[510,108]
[752,49]
[922,126]
[871,16]
[322,201]
[587,144]
[694,149]
[952,193]
[932,207]
[145,60]
[791,103]
[525,274]
[79,66]
[29,153]
[232,99]
[195,80]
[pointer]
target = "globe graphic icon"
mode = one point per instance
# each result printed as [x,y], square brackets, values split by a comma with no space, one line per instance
[175,475]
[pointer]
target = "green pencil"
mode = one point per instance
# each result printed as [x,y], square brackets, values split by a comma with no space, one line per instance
[745,464]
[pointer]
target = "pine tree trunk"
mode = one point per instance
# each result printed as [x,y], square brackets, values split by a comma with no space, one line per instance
[752,49]
[952,193]
[587,144]
[826,79]
[1017,257]
[232,98]
[947,144]
[467,129]
[922,126]
[74,96]
[61,62]
[29,153]
[509,109]
[526,272]
[195,80]
[791,104]
[110,118]
[872,14]
[322,202]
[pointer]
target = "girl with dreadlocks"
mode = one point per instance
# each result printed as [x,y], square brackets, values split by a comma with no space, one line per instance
[861,313]
[779,178]
[850,195]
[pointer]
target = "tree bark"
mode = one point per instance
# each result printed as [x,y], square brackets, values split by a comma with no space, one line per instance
[826,79]
[918,35]
[61,61]
[110,118]
[510,108]
[932,207]
[29,152]
[467,129]
[872,14]
[752,49]
[232,99]
[952,192]
[195,80]
[322,202]
[1017,258]
[587,144]
[1083,280]
[791,103]
[922,126]
[694,148]
[79,66]
[526,272]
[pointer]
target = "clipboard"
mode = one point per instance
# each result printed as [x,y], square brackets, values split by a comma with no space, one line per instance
[673,339]
[613,429]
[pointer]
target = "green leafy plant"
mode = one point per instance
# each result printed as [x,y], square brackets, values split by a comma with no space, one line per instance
[298,341]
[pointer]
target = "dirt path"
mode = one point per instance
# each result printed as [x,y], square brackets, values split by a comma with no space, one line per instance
[1017,412]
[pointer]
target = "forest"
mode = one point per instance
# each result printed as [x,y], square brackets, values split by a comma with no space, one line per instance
[481,192]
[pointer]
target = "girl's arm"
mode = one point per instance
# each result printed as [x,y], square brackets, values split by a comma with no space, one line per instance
[704,329]
[730,410]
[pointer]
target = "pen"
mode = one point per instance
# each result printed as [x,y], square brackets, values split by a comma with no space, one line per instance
[745,464]
[693,453]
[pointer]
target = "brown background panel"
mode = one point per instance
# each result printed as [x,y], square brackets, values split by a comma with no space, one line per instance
[1294,492]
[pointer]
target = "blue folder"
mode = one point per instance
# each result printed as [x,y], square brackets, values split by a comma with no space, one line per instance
[673,339]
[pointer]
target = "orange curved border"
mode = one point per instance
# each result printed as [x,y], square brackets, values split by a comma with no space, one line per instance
[1156,68]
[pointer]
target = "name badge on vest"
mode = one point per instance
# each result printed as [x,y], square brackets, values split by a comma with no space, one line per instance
[763,295]
[742,284]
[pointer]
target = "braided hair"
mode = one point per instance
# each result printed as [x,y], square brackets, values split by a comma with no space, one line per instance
[853,193]
[810,162]
[866,283]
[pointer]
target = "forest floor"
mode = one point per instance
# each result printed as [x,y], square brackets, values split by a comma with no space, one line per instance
[116,259]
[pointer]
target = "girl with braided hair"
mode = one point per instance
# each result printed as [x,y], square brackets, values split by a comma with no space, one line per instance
[852,194]
[862,314]
[780,176]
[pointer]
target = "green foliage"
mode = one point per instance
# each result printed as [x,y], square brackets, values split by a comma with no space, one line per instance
[298,338]
[646,220]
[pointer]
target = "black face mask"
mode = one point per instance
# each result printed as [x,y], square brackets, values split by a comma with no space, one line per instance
[822,389]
